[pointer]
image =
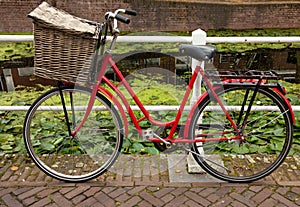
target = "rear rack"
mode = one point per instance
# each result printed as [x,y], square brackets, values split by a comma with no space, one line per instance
[241,74]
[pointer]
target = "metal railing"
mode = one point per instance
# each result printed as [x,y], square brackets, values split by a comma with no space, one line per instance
[198,37]
[29,38]
[149,108]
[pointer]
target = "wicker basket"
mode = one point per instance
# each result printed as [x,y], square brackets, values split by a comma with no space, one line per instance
[64,44]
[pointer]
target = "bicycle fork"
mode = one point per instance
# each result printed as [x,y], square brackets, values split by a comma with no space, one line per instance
[65,109]
[89,109]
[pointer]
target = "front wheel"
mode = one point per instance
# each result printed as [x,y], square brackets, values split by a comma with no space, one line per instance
[75,159]
[267,134]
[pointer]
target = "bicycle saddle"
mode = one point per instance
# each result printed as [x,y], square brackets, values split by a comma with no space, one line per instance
[199,52]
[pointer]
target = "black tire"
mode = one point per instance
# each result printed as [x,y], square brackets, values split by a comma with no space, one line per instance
[90,153]
[267,135]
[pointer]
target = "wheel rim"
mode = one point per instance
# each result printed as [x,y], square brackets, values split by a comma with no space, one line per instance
[267,139]
[83,157]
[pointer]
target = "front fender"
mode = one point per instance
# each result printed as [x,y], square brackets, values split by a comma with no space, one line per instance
[119,107]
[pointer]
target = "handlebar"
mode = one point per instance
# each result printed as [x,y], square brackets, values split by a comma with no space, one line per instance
[116,15]
[125,19]
[111,24]
[130,12]
[112,19]
[122,19]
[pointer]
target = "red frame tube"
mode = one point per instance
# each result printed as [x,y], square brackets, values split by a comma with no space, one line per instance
[93,94]
[174,123]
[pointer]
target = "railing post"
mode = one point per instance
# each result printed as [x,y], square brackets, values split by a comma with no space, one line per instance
[198,38]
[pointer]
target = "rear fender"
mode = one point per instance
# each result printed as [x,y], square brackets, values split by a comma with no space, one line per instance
[118,105]
[286,101]
[193,111]
[206,94]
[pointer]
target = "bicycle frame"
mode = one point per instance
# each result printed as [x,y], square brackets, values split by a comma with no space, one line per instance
[108,61]
[173,124]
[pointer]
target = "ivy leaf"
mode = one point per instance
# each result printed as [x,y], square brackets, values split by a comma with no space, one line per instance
[47,146]
[278,132]
[6,147]
[126,143]
[138,147]
[276,146]
[19,103]
[152,150]
[241,149]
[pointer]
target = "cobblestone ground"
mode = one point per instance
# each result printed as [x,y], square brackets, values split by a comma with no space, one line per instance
[142,181]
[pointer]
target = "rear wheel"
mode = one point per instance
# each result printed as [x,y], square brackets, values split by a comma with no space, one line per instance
[267,135]
[83,157]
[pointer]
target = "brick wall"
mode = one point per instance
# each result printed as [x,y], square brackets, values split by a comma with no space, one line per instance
[165,15]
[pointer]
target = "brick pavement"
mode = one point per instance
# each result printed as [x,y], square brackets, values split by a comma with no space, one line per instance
[23,184]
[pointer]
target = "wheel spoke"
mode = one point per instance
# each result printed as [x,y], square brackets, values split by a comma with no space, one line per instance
[87,155]
[265,142]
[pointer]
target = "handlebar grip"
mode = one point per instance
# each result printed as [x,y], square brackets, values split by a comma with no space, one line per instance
[122,19]
[130,12]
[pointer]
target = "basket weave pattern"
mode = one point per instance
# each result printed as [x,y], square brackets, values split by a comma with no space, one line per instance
[61,53]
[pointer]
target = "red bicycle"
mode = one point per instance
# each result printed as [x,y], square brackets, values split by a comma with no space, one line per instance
[239,130]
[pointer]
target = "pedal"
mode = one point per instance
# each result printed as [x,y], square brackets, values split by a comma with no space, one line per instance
[147,134]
